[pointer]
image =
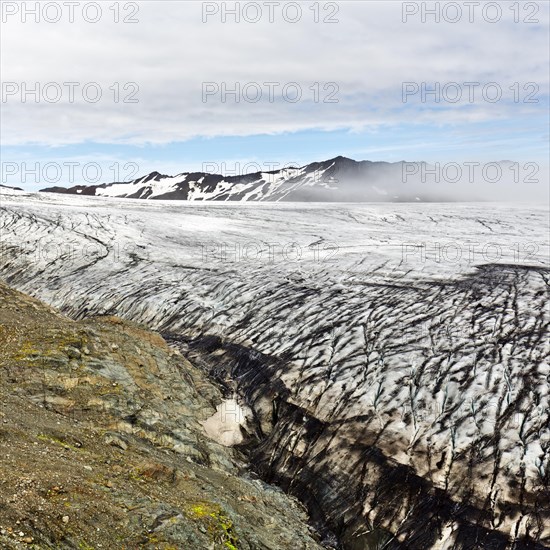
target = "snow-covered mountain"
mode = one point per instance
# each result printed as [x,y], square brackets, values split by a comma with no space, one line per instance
[336,179]
[11,188]
[339,179]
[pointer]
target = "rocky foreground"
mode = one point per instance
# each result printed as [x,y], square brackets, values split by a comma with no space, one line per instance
[103,445]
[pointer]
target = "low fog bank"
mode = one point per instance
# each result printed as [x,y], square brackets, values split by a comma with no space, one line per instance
[421,182]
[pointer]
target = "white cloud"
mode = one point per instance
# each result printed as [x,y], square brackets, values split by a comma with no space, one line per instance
[171,52]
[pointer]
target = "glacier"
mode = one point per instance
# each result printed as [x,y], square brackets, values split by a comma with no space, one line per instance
[394,357]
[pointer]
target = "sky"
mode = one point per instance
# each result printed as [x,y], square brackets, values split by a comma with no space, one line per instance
[102,91]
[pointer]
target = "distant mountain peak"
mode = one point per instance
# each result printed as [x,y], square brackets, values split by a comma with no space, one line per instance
[11,188]
[339,179]
[341,158]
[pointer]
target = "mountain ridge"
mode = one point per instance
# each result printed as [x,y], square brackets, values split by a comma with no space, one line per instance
[327,180]
[339,179]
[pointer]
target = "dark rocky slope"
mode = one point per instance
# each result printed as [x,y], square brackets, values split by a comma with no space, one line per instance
[103,446]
